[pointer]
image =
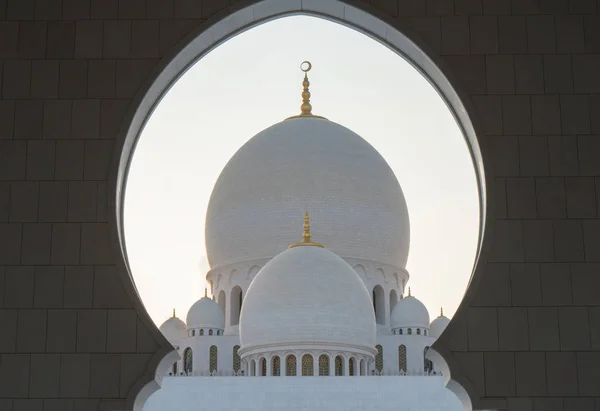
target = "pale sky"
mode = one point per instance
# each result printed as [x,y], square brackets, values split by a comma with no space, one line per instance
[253,81]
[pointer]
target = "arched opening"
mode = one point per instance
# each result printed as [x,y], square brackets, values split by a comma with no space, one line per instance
[290,365]
[323,365]
[352,367]
[236,359]
[379,358]
[425,65]
[235,305]
[188,361]
[402,358]
[252,368]
[213,359]
[339,365]
[428,365]
[379,304]
[263,367]
[276,366]
[363,367]
[307,365]
[393,301]
[222,301]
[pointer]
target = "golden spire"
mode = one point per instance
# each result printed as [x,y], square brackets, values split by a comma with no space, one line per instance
[205,292]
[306,239]
[441,311]
[173,313]
[409,292]
[306,107]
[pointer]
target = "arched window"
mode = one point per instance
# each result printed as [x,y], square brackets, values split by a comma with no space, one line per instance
[174,368]
[428,364]
[351,363]
[393,301]
[379,304]
[193,333]
[210,332]
[235,305]
[339,365]
[409,331]
[263,367]
[188,361]
[202,332]
[307,365]
[252,368]
[276,366]
[363,367]
[425,332]
[290,365]
[402,358]
[418,331]
[323,365]
[236,359]
[379,358]
[400,331]
[213,351]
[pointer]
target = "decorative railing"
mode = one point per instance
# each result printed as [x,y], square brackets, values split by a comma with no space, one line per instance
[374,373]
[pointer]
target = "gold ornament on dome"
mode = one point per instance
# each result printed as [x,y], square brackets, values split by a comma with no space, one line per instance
[306,107]
[306,238]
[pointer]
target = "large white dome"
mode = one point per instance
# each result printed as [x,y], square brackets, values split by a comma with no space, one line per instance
[355,201]
[173,329]
[307,295]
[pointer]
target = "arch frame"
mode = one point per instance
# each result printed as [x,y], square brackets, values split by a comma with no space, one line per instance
[231,22]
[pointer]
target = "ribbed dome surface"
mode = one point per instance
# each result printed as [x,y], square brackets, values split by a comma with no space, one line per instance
[410,312]
[173,329]
[205,313]
[307,295]
[355,201]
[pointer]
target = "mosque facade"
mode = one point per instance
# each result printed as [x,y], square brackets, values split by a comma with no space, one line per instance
[307,237]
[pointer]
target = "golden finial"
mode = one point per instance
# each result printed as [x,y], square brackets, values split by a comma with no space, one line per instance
[409,292]
[306,107]
[173,313]
[306,238]
[205,292]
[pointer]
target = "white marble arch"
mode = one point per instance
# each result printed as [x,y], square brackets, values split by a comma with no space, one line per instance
[242,17]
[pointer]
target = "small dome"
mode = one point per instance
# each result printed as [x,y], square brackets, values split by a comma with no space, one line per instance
[438,325]
[173,329]
[307,294]
[205,313]
[410,312]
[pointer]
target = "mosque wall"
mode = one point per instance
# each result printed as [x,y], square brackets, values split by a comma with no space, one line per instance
[74,335]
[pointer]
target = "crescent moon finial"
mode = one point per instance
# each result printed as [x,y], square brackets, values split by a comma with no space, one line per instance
[306,66]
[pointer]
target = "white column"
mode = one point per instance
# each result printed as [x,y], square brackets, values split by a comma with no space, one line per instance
[298,365]
[347,366]
[316,365]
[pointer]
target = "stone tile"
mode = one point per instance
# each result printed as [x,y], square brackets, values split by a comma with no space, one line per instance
[2,286]
[547,404]
[561,374]
[541,34]
[76,9]
[53,201]
[519,404]
[116,39]
[427,28]
[500,74]
[36,244]
[589,150]
[525,285]
[529,75]
[482,326]
[494,287]
[563,155]
[489,109]
[65,243]
[546,115]
[521,198]
[69,159]
[525,7]
[133,367]
[10,34]
[57,119]
[44,79]
[104,368]
[483,34]
[569,34]
[473,367]
[469,71]
[86,119]
[588,373]
[582,6]
[61,39]
[188,9]
[440,7]
[575,114]
[8,338]
[595,113]
[62,331]
[516,115]
[530,374]
[82,201]
[40,159]
[496,7]
[568,241]
[14,375]
[500,377]
[7,119]
[112,113]
[556,284]
[74,375]
[95,244]
[31,325]
[79,287]
[504,153]
[102,202]
[86,404]
[4,202]
[88,39]
[72,79]
[121,331]
[594,313]
[20,10]
[558,76]
[48,10]
[578,404]
[104,9]
[108,289]
[91,331]
[585,282]
[147,344]
[10,243]
[591,237]
[12,160]
[455,35]
[592,33]
[145,39]
[533,156]
[159,9]
[18,287]
[44,375]
[500,198]
[29,118]
[574,325]
[102,76]
[32,39]
[512,329]
[581,197]
[48,290]
[24,201]
[97,159]
[512,35]
[55,404]
[543,329]
[507,243]
[131,74]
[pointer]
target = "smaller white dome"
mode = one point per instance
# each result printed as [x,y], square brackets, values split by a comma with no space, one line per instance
[173,329]
[438,326]
[409,312]
[205,313]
